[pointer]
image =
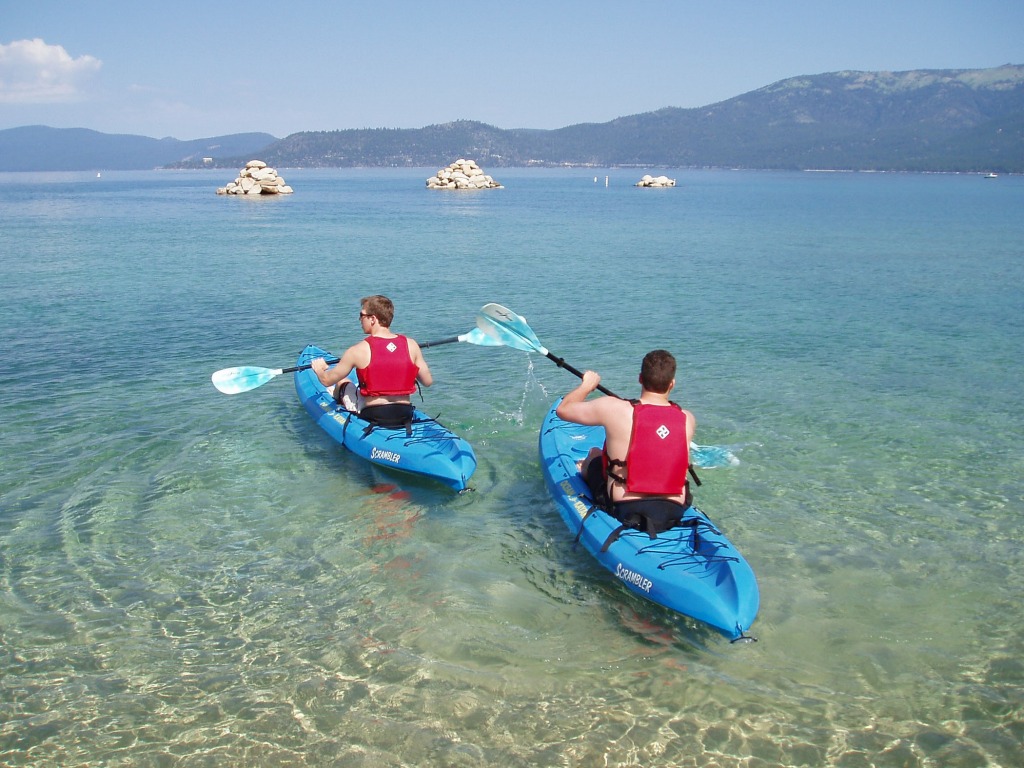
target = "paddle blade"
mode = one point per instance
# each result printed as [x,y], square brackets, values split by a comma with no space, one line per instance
[481,339]
[508,328]
[231,381]
[473,336]
[712,456]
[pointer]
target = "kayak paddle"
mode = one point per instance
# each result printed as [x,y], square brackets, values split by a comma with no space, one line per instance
[512,330]
[231,381]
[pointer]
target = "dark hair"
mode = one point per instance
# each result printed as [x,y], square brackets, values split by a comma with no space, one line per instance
[657,371]
[380,307]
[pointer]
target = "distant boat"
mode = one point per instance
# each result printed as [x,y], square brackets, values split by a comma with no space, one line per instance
[992,176]
[98,175]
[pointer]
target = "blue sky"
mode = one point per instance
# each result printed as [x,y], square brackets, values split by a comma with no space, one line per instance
[194,69]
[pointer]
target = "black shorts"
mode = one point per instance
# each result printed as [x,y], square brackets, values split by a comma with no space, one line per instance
[388,415]
[598,484]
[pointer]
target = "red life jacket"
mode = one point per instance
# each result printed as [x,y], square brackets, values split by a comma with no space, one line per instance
[659,452]
[391,370]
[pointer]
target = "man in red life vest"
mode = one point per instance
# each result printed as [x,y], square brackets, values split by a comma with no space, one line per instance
[641,471]
[388,366]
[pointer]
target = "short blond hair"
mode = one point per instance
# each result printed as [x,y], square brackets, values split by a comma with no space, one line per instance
[380,307]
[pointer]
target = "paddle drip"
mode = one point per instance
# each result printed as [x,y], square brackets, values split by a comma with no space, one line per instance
[531,384]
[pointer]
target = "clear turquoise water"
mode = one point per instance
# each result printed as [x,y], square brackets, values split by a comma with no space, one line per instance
[193,579]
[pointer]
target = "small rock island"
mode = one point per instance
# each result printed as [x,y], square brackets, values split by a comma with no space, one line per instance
[256,179]
[462,174]
[655,181]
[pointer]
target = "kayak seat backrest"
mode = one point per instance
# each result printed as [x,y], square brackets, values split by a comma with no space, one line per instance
[653,516]
[389,416]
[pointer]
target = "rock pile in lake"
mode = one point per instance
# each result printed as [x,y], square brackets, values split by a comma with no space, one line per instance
[655,181]
[256,179]
[462,174]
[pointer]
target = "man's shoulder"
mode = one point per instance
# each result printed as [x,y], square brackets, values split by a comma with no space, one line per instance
[615,406]
[359,351]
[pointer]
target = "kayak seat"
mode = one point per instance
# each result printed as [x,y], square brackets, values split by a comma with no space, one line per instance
[388,416]
[653,516]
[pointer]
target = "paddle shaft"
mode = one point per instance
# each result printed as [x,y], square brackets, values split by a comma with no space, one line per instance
[307,366]
[562,364]
[449,340]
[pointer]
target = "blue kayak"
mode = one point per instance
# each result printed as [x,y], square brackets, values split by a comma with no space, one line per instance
[692,569]
[427,448]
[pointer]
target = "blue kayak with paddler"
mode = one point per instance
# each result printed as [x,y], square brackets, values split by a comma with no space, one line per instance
[420,445]
[691,568]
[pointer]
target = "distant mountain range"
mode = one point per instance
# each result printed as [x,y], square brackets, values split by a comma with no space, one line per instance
[922,120]
[39,148]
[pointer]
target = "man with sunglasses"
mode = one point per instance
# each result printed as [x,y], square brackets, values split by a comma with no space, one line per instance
[389,367]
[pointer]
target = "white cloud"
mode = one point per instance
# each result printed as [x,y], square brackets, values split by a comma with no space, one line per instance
[32,72]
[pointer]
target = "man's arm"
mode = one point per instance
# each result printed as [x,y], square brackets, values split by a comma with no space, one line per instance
[691,425]
[424,377]
[330,377]
[576,408]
